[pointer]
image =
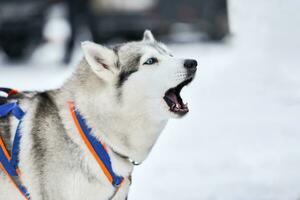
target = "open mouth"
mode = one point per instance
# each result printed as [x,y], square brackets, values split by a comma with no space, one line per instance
[174,101]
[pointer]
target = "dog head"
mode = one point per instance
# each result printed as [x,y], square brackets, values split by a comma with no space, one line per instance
[135,91]
[144,75]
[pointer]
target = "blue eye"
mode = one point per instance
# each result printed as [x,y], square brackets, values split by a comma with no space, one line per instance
[151,61]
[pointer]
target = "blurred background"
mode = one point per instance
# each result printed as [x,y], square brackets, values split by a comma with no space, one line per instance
[241,139]
[25,25]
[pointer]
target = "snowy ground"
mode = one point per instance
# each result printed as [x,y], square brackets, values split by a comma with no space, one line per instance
[241,140]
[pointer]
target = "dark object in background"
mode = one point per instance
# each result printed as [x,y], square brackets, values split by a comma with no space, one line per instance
[78,12]
[21,26]
[125,22]
[106,23]
[22,21]
[208,16]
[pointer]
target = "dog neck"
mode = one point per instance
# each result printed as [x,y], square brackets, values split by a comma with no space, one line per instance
[127,134]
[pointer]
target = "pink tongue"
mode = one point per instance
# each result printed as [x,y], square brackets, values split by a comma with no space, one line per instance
[172,96]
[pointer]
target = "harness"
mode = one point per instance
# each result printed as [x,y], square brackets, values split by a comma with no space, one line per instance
[96,147]
[9,164]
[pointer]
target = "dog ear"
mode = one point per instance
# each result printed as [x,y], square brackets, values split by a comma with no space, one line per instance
[100,58]
[148,36]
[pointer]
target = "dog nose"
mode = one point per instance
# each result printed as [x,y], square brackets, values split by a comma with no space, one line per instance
[190,64]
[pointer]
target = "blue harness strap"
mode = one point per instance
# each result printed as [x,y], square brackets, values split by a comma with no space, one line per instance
[9,164]
[96,147]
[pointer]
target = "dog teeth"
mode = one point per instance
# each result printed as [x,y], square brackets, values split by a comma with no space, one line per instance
[179,108]
[173,106]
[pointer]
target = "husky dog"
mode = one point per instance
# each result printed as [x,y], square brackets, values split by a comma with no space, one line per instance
[125,93]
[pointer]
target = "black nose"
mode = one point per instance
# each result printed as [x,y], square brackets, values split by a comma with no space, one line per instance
[190,64]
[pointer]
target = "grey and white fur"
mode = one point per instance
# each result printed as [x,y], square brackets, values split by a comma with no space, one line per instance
[120,93]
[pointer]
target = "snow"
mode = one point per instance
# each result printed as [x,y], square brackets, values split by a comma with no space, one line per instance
[241,139]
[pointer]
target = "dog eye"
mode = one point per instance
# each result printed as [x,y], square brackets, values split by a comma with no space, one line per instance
[151,61]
